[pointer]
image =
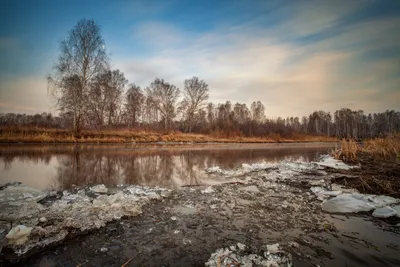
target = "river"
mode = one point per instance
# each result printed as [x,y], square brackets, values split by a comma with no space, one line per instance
[59,167]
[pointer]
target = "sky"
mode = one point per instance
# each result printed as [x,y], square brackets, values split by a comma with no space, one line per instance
[294,56]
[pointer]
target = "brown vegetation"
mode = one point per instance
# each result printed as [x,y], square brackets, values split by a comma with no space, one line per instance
[384,148]
[379,159]
[42,135]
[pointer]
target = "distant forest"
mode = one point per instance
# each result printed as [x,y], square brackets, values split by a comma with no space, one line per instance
[90,95]
[227,120]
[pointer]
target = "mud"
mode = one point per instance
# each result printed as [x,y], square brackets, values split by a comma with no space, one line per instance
[264,205]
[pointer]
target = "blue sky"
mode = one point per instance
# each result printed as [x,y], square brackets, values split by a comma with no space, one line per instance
[294,56]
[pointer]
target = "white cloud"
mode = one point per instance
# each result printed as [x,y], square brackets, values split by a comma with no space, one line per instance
[244,64]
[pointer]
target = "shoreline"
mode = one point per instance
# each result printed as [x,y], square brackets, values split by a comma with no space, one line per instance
[58,136]
[169,143]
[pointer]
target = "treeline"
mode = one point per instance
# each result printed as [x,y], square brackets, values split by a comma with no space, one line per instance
[227,120]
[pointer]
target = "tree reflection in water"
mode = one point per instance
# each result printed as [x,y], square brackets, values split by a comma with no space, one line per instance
[151,165]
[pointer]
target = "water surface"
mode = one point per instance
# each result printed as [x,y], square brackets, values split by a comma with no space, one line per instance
[62,166]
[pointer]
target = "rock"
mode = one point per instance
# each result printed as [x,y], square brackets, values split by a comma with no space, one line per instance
[101,188]
[42,219]
[18,235]
[384,212]
[104,250]
[173,218]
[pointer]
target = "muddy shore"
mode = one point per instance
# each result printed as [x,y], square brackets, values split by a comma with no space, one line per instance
[261,204]
[375,175]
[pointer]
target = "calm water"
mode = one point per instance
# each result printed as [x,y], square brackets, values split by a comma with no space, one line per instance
[61,166]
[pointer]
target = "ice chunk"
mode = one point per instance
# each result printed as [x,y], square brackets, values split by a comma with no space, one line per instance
[245,168]
[232,257]
[18,235]
[21,194]
[76,212]
[241,246]
[273,248]
[100,188]
[379,201]
[208,190]
[347,203]
[384,212]
[337,187]
[397,209]
[328,161]
[357,202]
[321,191]
[215,169]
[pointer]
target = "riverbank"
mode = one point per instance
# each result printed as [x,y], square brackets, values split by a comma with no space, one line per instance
[379,161]
[259,205]
[40,135]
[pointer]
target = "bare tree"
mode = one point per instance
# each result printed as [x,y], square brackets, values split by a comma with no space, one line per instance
[82,57]
[195,97]
[115,88]
[258,111]
[105,98]
[134,100]
[165,96]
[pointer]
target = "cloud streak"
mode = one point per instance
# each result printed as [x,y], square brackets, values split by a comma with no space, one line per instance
[292,78]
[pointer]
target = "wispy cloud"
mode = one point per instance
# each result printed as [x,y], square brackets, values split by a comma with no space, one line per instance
[278,65]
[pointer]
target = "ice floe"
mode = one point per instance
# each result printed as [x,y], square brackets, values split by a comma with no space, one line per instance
[353,203]
[283,168]
[40,225]
[384,212]
[330,162]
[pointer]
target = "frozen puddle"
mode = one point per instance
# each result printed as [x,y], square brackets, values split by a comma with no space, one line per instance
[39,225]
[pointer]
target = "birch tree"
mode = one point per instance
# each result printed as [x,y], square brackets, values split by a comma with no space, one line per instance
[195,97]
[134,100]
[82,57]
[165,96]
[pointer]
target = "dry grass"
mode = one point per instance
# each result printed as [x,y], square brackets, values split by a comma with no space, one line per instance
[386,148]
[383,148]
[40,135]
[348,151]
